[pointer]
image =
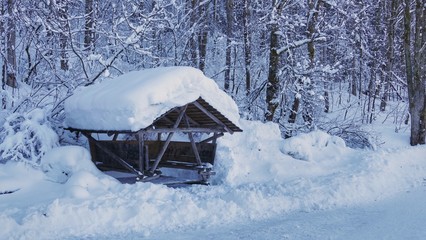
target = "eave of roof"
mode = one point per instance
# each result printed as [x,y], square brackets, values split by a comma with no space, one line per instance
[200,116]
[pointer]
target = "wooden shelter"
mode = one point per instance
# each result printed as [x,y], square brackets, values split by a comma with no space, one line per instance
[143,156]
[154,118]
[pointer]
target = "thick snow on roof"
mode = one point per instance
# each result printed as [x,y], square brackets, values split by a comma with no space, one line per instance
[134,100]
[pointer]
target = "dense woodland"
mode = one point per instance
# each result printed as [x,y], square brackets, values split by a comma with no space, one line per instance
[286,61]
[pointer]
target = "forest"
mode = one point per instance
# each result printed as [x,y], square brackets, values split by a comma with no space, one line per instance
[292,62]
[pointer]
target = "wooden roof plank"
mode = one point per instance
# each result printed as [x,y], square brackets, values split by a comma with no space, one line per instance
[213,117]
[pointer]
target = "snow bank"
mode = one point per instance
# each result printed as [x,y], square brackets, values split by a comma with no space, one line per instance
[256,180]
[134,100]
[259,154]
[13,176]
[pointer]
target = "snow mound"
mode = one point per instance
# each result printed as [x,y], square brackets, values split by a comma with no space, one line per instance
[135,99]
[307,145]
[13,176]
[59,164]
[259,154]
[73,166]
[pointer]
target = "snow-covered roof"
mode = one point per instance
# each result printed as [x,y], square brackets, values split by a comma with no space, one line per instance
[134,100]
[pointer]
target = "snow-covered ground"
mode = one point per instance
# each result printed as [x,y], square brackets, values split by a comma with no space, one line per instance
[307,187]
[398,217]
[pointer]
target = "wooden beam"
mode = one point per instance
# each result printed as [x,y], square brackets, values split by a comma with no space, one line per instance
[213,117]
[98,131]
[214,137]
[184,130]
[113,155]
[169,138]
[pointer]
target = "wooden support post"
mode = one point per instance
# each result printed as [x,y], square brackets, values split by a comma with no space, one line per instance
[161,153]
[115,137]
[216,136]
[194,148]
[146,158]
[169,138]
[141,142]
[92,147]
[193,145]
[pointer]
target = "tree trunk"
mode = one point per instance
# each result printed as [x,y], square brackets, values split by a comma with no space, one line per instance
[247,47]
[88,26]
[2,48]
[308,109]
[311,23]
[203,35]
[389,54]
[193,25]
[63,36]
[229,37]
[11,51]
[419,70]
[294,110]
[415,73]
[326,98]
[273,86]
[353,79]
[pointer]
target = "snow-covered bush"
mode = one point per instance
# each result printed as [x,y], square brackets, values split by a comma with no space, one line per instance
[26,137]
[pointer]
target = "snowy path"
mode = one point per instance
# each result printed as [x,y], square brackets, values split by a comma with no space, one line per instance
[400,217]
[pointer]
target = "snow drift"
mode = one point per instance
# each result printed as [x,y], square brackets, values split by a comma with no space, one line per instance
[256,179]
